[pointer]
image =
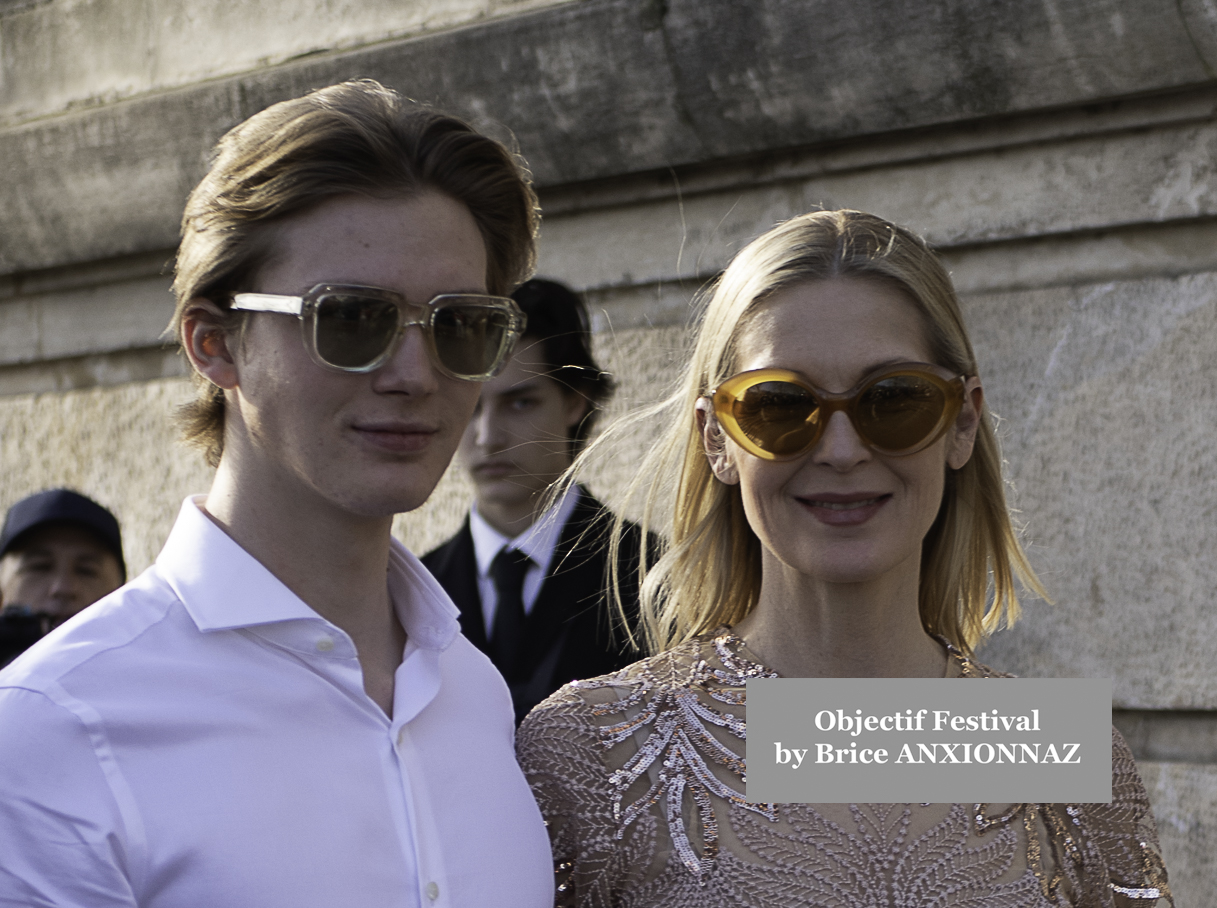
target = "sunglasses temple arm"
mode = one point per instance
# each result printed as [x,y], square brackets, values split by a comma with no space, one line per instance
[268,302]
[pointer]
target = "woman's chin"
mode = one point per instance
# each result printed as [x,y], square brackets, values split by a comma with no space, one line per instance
[854,562]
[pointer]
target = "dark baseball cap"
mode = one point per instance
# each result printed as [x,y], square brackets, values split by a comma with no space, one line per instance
[63,506]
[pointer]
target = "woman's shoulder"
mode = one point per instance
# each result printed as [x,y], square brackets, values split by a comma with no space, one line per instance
[597,715]
[973,668]
[1121,837]
[671,668]
[967,665]
[574,745]
[602,753]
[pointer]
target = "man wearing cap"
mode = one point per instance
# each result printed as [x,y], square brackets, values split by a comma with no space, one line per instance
[59,552]
[281,711]
[532,583]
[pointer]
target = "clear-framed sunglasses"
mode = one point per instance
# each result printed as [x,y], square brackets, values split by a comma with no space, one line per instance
[350,328]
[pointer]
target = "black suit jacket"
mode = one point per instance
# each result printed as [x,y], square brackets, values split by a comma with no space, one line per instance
[572,630]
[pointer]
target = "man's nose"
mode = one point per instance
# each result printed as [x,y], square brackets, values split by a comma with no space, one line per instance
[487,431]
[410,369]
[65,585]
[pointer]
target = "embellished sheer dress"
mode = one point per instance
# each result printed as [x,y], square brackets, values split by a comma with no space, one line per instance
[639,775]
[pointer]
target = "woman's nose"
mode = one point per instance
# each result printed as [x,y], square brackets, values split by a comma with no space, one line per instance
[840,446]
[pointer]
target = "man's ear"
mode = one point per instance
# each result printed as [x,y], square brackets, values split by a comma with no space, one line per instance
[962,437]
[714,441]
[577,407]
[208,342]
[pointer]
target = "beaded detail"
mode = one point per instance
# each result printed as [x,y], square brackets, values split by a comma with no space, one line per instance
[679,738]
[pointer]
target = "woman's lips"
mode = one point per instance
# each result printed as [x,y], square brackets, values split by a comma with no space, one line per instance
[835,509]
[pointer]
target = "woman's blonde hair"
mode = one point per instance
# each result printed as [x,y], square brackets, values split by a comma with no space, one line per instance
[711,572]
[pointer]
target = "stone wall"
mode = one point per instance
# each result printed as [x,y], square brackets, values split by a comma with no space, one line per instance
[1060,154]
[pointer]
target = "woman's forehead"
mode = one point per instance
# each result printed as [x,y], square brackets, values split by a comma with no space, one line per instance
[826,325]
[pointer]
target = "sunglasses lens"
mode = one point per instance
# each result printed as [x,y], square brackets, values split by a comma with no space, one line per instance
[899,412]
[471,337]
[778,416]
[352,331]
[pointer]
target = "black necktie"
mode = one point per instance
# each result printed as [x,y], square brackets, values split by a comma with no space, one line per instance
[507,633]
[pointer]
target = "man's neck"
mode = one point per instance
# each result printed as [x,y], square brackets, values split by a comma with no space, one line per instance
[334,561]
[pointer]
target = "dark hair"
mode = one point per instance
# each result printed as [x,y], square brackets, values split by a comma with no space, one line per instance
[354,137]
[557,319]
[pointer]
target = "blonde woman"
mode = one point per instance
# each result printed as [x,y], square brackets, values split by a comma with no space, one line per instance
[838,511]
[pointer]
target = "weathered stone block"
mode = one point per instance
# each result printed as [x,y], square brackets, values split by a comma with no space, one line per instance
[69,55]
[115,444]
[607,87]
[1108,429]
[1088,183]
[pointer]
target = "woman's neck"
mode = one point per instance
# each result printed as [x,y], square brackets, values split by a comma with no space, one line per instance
[802,627]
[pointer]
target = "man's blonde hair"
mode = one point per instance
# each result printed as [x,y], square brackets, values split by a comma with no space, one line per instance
[711,572]
[354,137]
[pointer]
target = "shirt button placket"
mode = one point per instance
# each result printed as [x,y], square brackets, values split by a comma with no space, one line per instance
[431,890]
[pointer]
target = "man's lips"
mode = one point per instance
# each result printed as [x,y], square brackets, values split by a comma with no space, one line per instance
[493,469]
[844,509]
[395,435]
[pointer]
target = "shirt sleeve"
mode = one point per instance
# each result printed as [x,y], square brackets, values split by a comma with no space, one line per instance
[63,842]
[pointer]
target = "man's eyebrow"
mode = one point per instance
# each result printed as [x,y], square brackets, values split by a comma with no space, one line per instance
[528,387]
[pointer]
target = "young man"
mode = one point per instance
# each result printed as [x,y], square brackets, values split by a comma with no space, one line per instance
[532,583]
[282,711]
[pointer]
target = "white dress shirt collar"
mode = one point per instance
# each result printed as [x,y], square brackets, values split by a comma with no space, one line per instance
[538,542]
[224,587]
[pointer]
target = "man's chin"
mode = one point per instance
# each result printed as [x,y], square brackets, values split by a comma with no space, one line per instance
[504,491]
[386,501]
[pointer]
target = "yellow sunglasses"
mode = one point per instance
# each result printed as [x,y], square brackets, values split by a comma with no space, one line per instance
[901,409]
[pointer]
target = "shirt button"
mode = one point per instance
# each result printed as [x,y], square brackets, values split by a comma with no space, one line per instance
[325,644]
[433,890]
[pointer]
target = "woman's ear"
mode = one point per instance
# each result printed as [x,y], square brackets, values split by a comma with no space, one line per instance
[963,437]
[714,441]
[207,342]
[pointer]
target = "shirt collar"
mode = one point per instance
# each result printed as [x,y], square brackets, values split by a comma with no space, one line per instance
[424,609]
[223,587]
[537,542]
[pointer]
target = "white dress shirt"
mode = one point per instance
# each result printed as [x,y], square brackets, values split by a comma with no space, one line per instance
[201,737]
[537,542]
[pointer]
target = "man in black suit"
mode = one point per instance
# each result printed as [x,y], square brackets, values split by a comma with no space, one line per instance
[531,583]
